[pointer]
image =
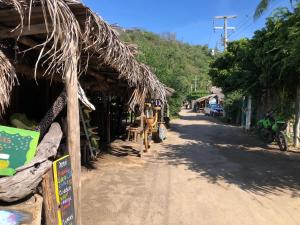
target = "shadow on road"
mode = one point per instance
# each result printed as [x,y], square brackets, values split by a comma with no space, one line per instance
[121,148]
[221,152]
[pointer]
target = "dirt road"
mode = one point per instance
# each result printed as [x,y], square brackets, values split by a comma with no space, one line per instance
[205,173]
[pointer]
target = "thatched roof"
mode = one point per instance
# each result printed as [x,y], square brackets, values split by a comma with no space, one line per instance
[206,98]
[169,91]
[7,81]
[48,29]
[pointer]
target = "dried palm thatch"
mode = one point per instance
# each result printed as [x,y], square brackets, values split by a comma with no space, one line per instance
[63,31]
[104,42]
[7,81]
[91,36]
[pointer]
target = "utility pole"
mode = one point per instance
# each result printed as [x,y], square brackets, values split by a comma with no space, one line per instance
[195,83]
[225,28]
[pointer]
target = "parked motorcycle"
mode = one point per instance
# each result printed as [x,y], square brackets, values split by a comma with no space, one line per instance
[271,129]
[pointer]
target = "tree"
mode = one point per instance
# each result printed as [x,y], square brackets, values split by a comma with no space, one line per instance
[264,5]
[266,66]
[175,63]
[236,73]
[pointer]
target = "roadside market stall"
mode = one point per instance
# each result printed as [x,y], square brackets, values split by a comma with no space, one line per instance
[202,102]
[51,54]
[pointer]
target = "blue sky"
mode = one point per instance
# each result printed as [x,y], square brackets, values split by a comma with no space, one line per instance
[191,20]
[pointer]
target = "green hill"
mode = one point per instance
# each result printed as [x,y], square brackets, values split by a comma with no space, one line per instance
[175,63]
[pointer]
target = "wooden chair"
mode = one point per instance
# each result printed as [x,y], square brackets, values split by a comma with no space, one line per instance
[133,133]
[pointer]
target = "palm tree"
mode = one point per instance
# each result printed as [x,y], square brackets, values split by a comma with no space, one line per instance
[264,5]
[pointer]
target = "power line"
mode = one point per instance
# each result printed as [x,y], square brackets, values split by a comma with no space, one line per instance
[211,33]
[243,29]
[246,25]
[243,21]
[218,43]
[242,24]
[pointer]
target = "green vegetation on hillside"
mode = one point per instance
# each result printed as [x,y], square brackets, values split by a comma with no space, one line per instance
[175,63]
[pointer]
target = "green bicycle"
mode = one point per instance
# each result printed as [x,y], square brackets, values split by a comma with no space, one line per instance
[271,129]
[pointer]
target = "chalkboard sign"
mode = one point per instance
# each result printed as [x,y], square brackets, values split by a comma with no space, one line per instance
[17,147]
[64,190]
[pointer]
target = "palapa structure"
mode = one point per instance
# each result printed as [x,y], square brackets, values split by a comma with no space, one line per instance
[66,42]
[51,31]
[7,80]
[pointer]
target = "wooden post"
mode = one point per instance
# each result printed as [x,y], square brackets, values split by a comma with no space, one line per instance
[131,117]
[142,133]
[249,113]
[50,205]
[168,110]
[297,119]
[108,121]
[242,112]
[73,138]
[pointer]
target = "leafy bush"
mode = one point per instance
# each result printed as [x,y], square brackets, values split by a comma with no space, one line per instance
[265,67]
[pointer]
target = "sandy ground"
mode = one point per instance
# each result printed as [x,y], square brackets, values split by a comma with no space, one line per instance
[205,173]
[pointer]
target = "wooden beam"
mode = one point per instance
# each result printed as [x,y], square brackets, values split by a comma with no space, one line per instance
[24,40]
[49,201]
[38,10]
[28,71]
[27,41]
[73,138]
[100,76]
[30,43]
[98,84]
[19,32]
[96,75]
[14,12]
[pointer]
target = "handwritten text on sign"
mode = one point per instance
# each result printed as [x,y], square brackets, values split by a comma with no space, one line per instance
[64,191]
